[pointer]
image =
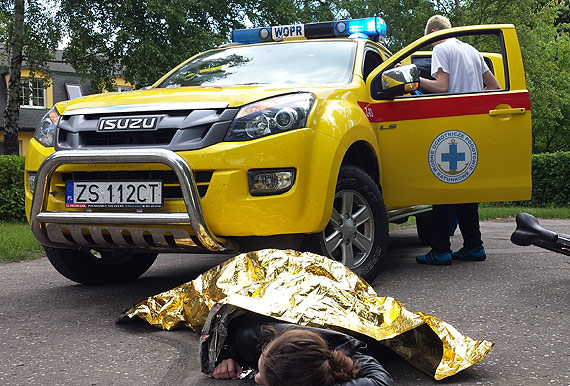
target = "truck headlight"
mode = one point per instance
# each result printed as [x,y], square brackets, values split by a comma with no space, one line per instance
[32,181]
[271,116]
[45,133]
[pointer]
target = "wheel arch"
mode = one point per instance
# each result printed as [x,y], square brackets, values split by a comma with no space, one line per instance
[361,154]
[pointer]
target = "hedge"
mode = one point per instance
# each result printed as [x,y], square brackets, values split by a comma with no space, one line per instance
[12,188]
[550,180]
[550,184]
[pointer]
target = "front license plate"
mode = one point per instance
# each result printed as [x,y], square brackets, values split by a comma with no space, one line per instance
[113,194]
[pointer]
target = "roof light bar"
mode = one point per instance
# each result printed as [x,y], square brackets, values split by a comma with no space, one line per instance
[373,27]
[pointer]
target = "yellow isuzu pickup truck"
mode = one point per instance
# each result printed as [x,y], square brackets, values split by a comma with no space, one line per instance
[310,136]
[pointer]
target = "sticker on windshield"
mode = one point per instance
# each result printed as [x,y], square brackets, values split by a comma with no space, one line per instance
[452,156]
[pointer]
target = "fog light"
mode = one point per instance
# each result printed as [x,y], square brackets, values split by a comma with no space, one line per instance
[32,182]
[270,181]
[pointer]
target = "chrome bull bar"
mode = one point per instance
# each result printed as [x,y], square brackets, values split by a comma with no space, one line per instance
[193,217]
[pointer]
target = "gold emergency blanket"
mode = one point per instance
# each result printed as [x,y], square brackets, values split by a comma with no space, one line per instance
[311,290]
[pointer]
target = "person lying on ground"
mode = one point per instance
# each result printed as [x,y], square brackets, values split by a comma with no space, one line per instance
[287,355]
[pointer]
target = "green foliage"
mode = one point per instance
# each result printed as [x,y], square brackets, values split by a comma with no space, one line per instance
[42,32]
[142,40]
[545,46]
[12,188]
[546,55]
[550,185]
[30,36]
[404,26]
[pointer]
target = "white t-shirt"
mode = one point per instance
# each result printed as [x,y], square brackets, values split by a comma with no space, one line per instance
[464,64]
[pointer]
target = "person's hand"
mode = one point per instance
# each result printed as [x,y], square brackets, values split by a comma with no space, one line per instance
[227,369]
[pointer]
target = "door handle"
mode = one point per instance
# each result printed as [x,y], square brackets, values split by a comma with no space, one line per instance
[517,110]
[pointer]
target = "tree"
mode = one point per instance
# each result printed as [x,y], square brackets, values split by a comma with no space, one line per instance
[12,112]
[143,39]
[546,55]
[32,36]
[545,47]
[405,18]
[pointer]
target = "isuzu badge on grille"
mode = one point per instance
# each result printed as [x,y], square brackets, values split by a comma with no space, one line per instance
[130,123]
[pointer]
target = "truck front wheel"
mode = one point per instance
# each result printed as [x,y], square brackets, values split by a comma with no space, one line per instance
[99,267]
[357,233]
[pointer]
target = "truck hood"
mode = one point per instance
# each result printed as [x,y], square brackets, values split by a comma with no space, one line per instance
[178,98]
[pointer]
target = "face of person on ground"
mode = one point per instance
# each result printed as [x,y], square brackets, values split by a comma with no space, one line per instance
[259,376]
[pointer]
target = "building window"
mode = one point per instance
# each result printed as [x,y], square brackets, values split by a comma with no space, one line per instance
[33,93]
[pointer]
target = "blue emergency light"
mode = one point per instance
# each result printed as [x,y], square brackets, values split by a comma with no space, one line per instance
[373,27]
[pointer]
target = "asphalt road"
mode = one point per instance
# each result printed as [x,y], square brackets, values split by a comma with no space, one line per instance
[55,332]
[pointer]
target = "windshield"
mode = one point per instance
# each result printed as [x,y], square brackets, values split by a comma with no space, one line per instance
[291,63]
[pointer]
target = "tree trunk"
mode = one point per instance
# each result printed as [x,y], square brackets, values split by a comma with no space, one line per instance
[12,112]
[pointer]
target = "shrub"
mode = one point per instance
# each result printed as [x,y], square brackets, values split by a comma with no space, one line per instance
[550,187]
[550,174]
[12,188]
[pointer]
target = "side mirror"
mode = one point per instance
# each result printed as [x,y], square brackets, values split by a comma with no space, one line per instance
[395,82]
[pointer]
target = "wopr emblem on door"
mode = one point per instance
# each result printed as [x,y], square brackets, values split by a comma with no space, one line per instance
[452,156]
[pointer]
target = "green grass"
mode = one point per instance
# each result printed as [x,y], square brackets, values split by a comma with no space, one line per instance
[17,242]
[489,211]
[492,212]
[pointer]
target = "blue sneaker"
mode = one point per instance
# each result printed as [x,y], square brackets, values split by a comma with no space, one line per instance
[473,254]
[435,258]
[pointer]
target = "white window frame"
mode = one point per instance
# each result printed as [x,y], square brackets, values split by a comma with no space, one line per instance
[32,96]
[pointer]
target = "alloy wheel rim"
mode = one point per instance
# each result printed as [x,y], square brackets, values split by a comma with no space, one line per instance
[349,235]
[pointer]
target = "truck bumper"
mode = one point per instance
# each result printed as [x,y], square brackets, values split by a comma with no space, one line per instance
[149,230]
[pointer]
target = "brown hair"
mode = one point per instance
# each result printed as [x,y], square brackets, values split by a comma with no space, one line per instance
[299,357]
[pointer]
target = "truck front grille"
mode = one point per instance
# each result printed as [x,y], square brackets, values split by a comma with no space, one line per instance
[98,139]
[177,130]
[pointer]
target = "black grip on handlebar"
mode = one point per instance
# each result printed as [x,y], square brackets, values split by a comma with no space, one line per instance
[530,232]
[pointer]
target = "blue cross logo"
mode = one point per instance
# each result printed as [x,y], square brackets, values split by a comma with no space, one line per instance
[453,156]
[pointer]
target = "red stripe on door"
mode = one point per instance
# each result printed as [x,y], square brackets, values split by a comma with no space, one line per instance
[437,107]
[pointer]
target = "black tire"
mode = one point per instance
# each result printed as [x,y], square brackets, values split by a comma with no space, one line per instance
[424,228]
[104,267]
[357,234]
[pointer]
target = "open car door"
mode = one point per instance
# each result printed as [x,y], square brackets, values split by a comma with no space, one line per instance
[455,148]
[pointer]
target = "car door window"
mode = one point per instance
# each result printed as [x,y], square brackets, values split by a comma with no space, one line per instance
[488,42]
[423,63]
[372,59]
